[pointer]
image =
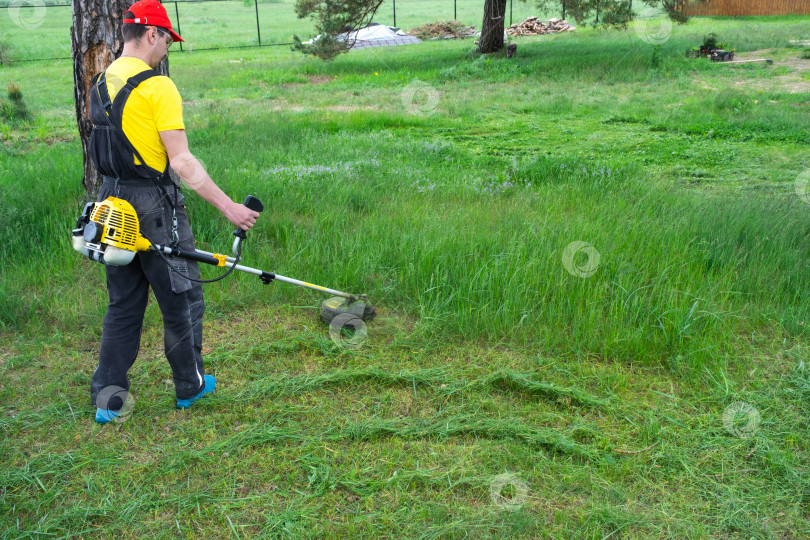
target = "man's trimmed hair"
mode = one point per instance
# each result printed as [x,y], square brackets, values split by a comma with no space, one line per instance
[133,31]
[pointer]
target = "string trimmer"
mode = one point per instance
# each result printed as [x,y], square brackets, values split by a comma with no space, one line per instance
[109,232]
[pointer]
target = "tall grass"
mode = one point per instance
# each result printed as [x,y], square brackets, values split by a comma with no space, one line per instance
[466,228]
[472,244]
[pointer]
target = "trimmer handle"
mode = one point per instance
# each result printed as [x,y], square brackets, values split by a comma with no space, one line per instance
[254,204]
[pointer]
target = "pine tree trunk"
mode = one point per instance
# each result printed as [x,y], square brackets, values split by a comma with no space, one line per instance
[96,40]
[492,28]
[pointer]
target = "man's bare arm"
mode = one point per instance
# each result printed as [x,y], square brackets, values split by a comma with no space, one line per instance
[195,176]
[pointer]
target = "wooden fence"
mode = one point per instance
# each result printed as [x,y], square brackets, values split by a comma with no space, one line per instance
[747,7]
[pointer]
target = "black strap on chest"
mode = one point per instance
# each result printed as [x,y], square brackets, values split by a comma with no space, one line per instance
[114,116]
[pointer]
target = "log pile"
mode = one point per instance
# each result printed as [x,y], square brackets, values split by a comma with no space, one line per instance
[534,27]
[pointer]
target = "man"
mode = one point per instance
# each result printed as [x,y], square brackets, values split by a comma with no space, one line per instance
[138,134]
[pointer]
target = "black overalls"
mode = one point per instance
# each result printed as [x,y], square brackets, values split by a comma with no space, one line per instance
[152,194]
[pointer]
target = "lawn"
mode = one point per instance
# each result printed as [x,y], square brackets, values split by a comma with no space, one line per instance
[651,384]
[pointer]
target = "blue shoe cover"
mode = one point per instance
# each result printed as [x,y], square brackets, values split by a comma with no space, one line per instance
[210,384]
[104,415]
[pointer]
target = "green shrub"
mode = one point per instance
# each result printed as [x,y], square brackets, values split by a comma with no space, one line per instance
[710,41]
[656,60]
[14,108]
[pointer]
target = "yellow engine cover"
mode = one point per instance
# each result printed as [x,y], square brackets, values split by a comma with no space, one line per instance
[121,227]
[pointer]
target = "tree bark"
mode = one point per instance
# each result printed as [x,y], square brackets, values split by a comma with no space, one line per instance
[96,40]
[492,28]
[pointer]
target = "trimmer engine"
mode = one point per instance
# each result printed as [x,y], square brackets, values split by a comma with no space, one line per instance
[109,232]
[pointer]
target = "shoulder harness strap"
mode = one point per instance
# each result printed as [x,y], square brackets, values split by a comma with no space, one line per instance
[115,115]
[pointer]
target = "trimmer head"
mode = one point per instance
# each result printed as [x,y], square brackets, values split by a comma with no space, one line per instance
[337,305]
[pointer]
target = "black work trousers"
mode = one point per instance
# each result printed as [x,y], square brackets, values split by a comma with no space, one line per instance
[180,300]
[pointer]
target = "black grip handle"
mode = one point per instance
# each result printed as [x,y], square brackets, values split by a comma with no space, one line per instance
[254,204]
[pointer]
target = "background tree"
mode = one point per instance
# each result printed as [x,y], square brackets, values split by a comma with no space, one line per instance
[333,17]
[492,26]
[612,13]
[615,13]
[96,40]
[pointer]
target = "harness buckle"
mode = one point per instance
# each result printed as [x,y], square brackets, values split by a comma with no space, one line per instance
[175,234]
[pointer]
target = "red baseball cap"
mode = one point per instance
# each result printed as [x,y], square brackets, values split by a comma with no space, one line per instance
[152,13]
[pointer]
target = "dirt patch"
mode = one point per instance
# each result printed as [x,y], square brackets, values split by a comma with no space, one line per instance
[791,83]
[223,102]
[281,104]
[335,108]
[789,58]
[782,83]
[313,79]
[319,79]
[703,84]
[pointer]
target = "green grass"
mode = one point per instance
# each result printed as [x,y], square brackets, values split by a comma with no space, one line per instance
[488,357]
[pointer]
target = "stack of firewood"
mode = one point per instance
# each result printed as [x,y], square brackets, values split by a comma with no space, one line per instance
[533,27]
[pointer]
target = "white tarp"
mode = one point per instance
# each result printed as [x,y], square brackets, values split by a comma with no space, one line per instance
[373,33]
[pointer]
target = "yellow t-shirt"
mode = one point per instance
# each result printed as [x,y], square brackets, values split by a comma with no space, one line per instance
[155,105]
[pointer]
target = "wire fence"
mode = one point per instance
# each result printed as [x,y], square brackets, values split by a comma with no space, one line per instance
[35,30]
